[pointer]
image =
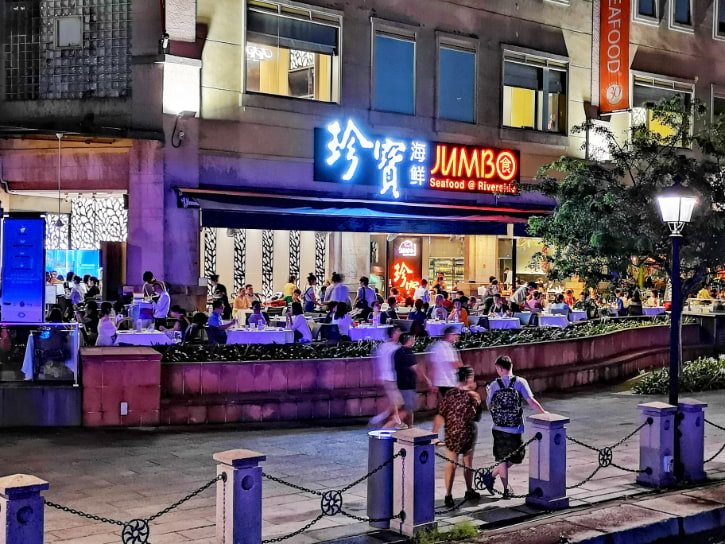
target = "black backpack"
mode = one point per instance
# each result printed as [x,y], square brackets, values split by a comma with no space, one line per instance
[506,408]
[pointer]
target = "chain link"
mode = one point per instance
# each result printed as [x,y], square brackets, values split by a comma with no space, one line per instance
[451,509]
[585,480]
[648,421]
[371,520]
[293,486]
[83,514]
[718,452]
[489,468]
[381,467]
[297,532]
[583,444]
[714,424]
[634,470]
[221,477]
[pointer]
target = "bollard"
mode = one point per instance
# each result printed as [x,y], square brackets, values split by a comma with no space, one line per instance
[692,439]
[21,509]
[239,498]
[656,445]
[547,462]
[380,484]
[414,491]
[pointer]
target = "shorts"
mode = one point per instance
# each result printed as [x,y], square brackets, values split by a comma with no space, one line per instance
[506,443]
[392,393]
[410,399]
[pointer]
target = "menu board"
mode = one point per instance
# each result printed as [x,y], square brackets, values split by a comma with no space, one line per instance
[23,273]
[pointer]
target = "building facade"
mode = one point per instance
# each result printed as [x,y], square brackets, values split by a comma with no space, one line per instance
[264,138]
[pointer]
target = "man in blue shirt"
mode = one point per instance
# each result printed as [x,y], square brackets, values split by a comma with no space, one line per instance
[217,330]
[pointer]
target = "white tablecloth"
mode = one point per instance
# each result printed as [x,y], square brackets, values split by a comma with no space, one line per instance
[577,315]
[504,323]
[553,321]
[436,328]
[653,311]
[142,338]
[267,336]
[369,333]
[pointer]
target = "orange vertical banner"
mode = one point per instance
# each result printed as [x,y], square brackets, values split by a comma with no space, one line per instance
[614,20]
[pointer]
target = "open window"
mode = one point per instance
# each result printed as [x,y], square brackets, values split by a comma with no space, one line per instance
[535,92]
[292,52]
[647,91]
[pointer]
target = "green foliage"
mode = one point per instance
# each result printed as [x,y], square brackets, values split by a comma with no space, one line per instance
[459,531]
[607,212]
[703,374]
[187,353]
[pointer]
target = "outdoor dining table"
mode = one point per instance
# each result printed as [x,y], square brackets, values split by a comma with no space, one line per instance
[657,310]
[577,315]
[145,338]
[504,323]
[437,328]
[553,321]
[368,332]
[263,336]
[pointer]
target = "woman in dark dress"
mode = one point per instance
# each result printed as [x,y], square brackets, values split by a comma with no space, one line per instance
[461,408]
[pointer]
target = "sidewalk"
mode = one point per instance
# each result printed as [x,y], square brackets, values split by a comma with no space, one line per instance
[127,474]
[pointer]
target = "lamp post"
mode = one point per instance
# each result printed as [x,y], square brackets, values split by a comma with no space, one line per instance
[676,204]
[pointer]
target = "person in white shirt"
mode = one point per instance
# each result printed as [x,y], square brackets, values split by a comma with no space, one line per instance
[300,326]
[342,319]
[422,293]
[385,376]
[338,291]
[443,365]
[162,305]
[438,311]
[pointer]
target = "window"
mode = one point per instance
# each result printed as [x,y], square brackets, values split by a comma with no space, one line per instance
[456,84]
[394,73]
[719,30]
[718,106]
[647,8]
[681,14]
[534,93]
[292,52]
[68,32]
[649,90]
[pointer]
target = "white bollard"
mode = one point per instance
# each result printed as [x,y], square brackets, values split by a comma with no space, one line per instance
[657,445]
[239,498]
[692,439]
[21,509]
[547,462]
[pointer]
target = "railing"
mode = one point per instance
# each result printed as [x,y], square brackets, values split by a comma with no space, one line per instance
[405,479]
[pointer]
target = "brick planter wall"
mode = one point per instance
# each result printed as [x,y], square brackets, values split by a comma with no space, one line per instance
[113,375]
[212,392]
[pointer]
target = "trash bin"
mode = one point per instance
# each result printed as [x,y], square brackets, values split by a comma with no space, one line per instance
[380,484]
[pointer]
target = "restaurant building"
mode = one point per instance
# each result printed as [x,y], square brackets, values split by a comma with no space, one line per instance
[262,138]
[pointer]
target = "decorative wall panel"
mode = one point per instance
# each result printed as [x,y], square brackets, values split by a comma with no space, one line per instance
[56,237]
[294,253]
[95,220]
[210,235]
[320,251]
[267,263]
[240,259]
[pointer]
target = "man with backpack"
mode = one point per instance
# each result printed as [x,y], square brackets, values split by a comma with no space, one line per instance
[504,402]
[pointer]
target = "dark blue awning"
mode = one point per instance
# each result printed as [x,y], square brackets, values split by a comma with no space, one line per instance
[245,209]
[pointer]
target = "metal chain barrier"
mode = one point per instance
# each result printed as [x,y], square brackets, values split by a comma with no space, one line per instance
[718,452]
[331,501]
[605,455]
[137,531]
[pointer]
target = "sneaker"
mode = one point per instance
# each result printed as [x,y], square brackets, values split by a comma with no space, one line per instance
[472,495]
[400,426]
[448,501]
[507,493]
[488,481]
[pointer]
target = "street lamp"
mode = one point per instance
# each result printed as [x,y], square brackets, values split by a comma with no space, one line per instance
[676,204]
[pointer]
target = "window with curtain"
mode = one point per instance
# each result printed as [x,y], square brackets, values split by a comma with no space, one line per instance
[456,84]
[720,18]
[394,74]
[292,52]
[534,94]
[718,106]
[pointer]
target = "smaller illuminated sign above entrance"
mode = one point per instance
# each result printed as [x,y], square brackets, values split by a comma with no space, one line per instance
[344,153]
[408,248]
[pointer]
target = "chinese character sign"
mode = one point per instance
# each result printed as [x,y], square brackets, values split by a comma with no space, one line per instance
[347,153]
[405,266]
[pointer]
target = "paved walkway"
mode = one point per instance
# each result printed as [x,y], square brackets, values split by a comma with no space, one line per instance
[127,474]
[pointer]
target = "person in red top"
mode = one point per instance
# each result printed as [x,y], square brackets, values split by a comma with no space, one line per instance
[569,298]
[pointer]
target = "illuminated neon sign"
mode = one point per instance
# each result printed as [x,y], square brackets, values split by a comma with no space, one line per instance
[344,153]
[405,266]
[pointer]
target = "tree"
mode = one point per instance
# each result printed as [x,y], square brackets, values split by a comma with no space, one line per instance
[607,214]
